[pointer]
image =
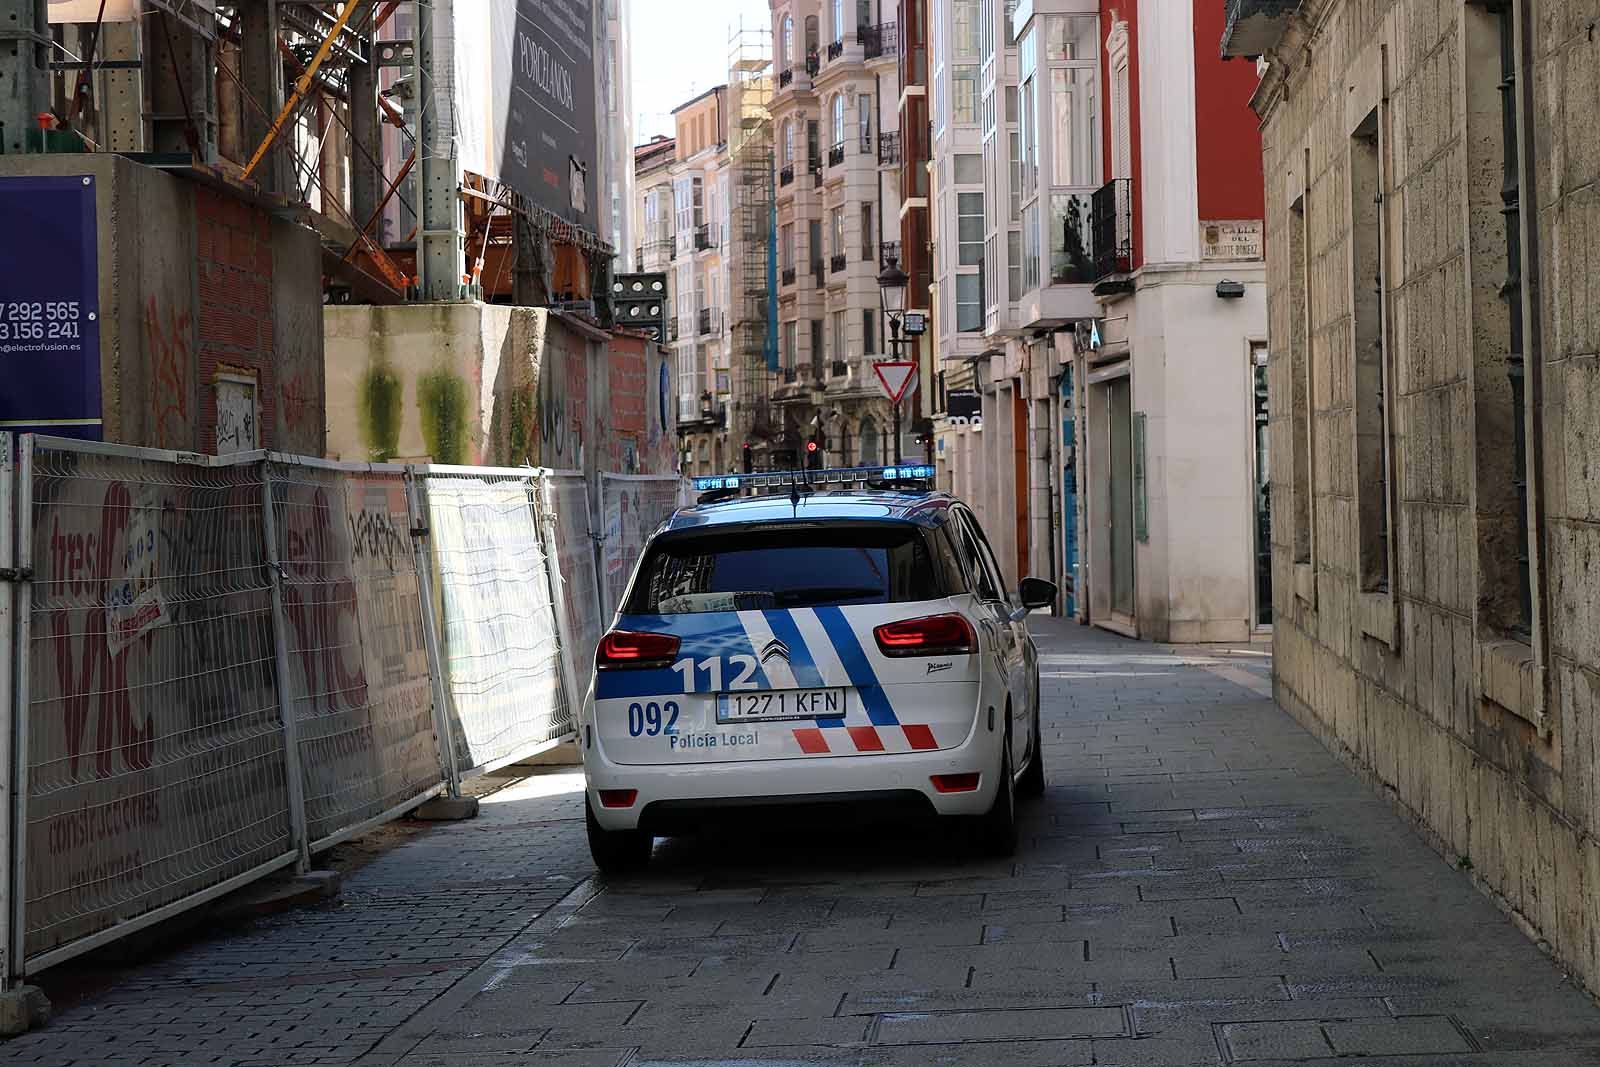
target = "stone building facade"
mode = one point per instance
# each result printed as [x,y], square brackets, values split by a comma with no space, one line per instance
[1430,176]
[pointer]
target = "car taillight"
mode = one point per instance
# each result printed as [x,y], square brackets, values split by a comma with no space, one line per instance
[619,798]
[933,635]
[955,783]
[627,649]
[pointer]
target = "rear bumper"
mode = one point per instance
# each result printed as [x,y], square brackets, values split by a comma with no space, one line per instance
[675,798]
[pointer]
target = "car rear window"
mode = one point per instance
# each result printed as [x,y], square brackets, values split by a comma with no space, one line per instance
[777,567]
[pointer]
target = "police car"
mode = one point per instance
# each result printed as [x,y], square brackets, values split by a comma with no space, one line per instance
[837,641]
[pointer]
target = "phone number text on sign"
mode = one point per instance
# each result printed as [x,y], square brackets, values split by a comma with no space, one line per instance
[40,320]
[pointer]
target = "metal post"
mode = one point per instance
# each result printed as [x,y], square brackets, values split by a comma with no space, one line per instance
[261,71]
[296,786]
[119,104]
[9,711]
[895,342]
[18,735]
[441,234]
[430,635]
[366,175]
[24,70]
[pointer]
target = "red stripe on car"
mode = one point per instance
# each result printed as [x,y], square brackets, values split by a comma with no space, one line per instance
[811,741]
[866,738]
[920,736]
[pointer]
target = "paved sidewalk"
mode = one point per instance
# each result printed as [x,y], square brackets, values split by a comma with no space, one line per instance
[1201,884]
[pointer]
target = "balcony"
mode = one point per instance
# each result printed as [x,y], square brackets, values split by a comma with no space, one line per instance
[1253,27]
[708,321]
[813,63]
[787,278]
[835,50]
[704,238]
[888,252]
[836,155]
[785,77]
[1111,229]
[786,175]
[880,41]
[838,263]
[889,149]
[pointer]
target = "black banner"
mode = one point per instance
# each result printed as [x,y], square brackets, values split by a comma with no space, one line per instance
[549,153]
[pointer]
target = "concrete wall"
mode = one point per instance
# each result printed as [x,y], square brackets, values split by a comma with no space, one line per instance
[495,385]
[1485,738]
[196,281]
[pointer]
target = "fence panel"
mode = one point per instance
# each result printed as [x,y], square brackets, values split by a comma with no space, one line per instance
[635,504]
[149,735]
[358,669]
[565,496]
[497,622]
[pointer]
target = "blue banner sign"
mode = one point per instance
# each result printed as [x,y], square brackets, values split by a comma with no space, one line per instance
[49,307]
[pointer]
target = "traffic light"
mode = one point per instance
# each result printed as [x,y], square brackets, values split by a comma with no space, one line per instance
[813,455]
[749,460]
[639,301]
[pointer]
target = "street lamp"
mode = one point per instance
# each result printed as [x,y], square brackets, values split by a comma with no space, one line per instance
[892,291]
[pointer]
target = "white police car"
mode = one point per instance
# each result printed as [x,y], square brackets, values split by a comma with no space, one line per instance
[853,651]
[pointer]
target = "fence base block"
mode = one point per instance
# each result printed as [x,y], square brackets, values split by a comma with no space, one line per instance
[280,894]
[22,1009]
[448,809]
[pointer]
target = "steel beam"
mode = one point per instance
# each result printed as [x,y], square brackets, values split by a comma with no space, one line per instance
[261,72]
[366,174]
[441,251]
[24,69]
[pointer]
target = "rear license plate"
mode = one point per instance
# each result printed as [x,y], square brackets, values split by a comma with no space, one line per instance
[781,704]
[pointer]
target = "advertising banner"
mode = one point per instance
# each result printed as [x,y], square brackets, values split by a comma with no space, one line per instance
[50,307]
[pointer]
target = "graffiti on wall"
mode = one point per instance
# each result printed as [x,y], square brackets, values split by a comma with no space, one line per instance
[166,335]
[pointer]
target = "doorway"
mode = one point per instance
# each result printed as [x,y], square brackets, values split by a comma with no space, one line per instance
[1120,491]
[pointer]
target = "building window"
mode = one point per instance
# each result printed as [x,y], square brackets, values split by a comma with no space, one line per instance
[788,142]
[964,94]
[1014,264]
[817,354]
[1070,262]
[790,333]
[838,120]
[838,21]
[969,228]
[868,252]
[837,341]
[1300,415]
[786,44]
[1015,140]
[969,303]
[867,331]
[786,246]
[969,170]
[864,122]
[1074,127]
[964,29]
[838,231]
[1369,328]
[1030,247]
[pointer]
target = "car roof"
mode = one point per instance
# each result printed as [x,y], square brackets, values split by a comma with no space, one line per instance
[926,509]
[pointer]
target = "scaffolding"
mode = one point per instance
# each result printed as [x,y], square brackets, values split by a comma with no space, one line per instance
[753,358]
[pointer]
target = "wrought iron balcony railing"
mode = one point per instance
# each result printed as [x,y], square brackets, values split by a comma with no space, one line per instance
[879,41]
[1111,227]
[709,321]
[788,276]
[836,154]
[889,149]
[785,77]
[704,238]
[838,263]
[835,50]
[786,175]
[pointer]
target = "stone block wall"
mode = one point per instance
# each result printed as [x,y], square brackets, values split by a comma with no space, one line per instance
[1481,728]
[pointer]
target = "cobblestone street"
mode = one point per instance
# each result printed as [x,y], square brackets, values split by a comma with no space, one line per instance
[1202,883]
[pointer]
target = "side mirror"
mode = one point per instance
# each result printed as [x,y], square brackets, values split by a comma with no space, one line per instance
[1036,593]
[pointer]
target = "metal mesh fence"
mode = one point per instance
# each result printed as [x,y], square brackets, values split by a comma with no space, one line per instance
[155,763]
[634,506]
[358,672]
[566,499]
[499,648]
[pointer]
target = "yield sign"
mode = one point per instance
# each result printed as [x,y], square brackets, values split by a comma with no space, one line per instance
[894,376]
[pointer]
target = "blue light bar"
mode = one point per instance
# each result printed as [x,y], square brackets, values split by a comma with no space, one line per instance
[915,474]
[706,485]
[814,479]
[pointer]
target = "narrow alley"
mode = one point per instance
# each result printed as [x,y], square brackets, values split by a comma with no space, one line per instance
[1202,883]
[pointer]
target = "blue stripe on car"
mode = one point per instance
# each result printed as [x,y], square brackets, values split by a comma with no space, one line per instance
[801,662]
[857,666]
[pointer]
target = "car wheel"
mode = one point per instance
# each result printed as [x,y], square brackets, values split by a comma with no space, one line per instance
[997,831]
[617,851]
[1032,783]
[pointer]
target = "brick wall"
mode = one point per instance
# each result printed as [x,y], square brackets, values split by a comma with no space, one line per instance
[1487,739]
[233,251]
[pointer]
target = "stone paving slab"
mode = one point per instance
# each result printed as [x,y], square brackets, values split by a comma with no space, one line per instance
[1202,884]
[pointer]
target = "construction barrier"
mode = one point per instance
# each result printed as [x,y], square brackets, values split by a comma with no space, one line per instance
[634,505]
[215,667]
